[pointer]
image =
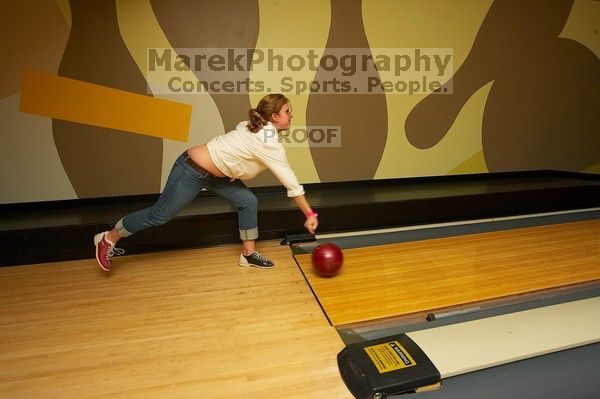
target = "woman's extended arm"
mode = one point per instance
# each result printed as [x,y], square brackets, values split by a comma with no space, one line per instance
[311,223]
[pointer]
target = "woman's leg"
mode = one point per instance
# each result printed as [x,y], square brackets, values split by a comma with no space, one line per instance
[246,202]
[183,185]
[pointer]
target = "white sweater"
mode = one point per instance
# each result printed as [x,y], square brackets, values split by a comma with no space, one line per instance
[241,154]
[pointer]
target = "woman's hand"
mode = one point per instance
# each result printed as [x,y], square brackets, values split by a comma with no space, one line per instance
[311,224]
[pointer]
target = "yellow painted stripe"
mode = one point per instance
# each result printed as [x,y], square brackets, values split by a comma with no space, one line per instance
[76,101]
[593,169]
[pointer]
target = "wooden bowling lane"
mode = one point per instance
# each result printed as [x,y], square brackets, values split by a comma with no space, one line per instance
[175,324]
[387,281]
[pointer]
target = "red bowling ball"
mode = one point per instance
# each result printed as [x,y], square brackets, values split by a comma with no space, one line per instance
[327,259]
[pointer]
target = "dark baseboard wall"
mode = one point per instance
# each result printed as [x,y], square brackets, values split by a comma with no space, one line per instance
[63,230]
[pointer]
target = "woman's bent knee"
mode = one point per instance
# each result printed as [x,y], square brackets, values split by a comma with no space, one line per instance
[249,201]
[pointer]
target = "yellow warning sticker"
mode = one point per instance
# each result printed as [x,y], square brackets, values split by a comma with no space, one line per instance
[390,356]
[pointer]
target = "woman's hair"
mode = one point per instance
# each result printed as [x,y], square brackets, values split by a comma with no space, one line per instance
[267,106]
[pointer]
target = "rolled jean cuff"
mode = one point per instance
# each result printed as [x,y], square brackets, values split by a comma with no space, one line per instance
[250,234]
[121,230]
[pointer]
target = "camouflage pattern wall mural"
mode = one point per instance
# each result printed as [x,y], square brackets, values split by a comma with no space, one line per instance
[98,97]
[101,161]
[362,118]
[532,71]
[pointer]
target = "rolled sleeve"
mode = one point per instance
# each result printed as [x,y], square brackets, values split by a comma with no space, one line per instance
[295,192]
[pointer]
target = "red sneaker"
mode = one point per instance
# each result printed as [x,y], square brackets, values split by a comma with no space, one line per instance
[105,250]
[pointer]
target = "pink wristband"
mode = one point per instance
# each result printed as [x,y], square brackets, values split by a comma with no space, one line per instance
[311,213]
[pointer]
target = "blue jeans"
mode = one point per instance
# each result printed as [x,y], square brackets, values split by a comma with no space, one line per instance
[183,185]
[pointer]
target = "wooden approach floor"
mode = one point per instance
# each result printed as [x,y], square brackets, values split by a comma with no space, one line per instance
[183,324]
[386,281]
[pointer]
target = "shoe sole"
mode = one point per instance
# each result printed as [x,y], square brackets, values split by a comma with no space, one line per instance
[256,266]
[96,241]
